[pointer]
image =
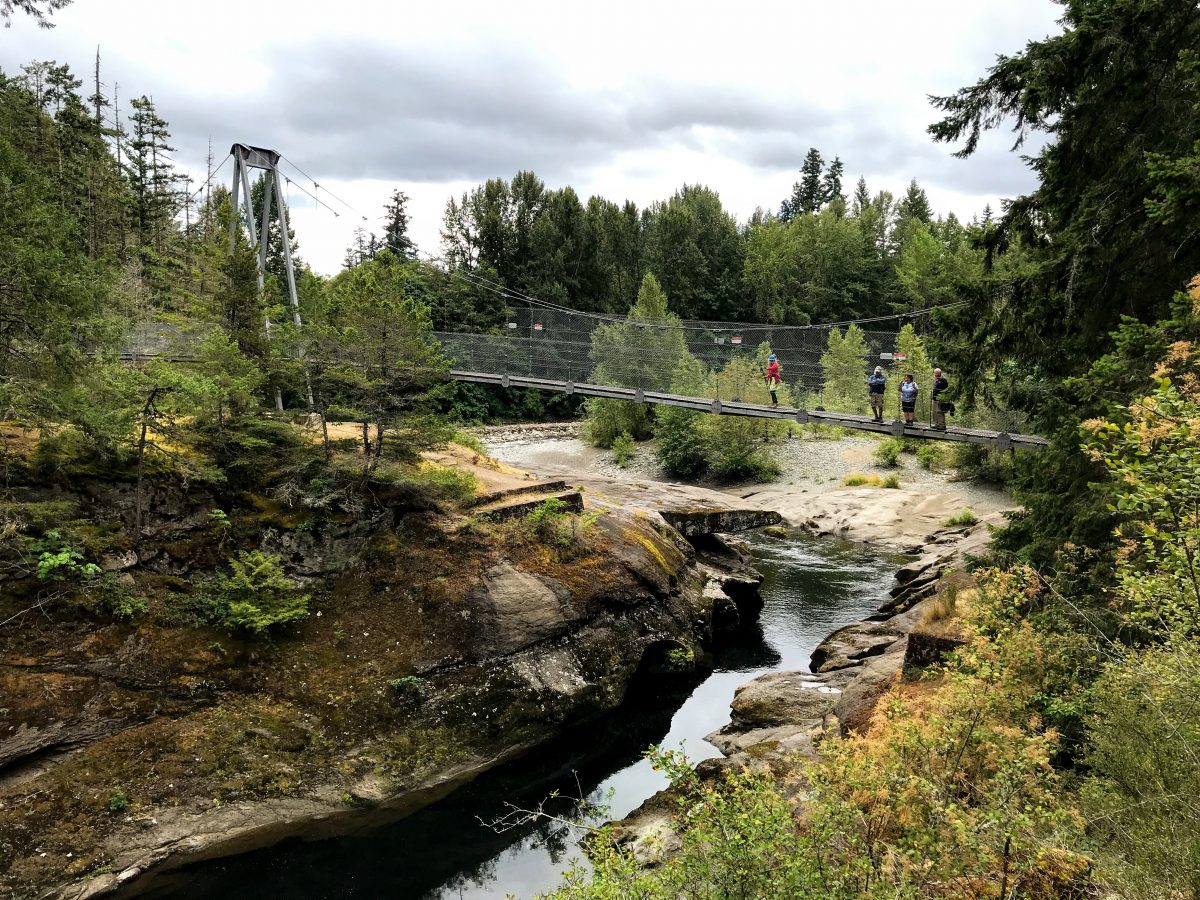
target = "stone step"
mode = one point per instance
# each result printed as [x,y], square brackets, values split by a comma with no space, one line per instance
[536,487]
[514,506]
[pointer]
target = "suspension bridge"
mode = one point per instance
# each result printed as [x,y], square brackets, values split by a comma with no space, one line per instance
[552,348]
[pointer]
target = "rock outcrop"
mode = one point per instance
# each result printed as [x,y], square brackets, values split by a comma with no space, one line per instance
[434,650]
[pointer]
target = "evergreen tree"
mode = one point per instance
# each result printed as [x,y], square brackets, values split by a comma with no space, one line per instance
[844,371]
[151,173]
[831,185]
[914,205]
[395,226]
[38,9]
[640,353]
[862,199]
[808,199]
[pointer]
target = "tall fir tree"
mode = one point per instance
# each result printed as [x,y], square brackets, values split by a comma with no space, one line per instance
[395,226]
[151,173]
[831,184]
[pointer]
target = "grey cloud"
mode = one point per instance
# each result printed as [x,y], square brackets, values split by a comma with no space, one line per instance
[356,109]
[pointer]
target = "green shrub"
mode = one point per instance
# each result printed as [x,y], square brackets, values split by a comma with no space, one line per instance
[118,801]
[409,689]
[892,481]
[57,559]
[110,598]
[681,450]
[931,455]
[608,419]
[963,517]
[553,524]
[469,440]
[623,449]
[255,597]
[680,659]
[887,452]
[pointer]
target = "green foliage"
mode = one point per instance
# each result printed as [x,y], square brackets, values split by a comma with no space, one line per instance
[553,524]
[442,484]
[255,597]
[1154,462]
[409,689]
[844,369]
[629,354]
[58,560]
[891,482]
[118,801]
[931,455]
[607,420]
[470,440]
[887,452]
[623,449]
[965,516]
[1143,744]
[681,659]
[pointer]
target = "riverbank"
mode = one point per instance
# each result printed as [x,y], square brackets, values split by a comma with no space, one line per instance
[779,720]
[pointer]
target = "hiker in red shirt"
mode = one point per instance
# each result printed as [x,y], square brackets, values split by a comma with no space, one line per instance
[773,378]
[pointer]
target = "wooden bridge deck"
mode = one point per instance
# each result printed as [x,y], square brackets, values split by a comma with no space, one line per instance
[999,439]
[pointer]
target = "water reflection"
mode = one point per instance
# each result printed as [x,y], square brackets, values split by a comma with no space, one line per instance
[811,588]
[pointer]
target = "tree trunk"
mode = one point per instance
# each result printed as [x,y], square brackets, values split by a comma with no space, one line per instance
[139,501]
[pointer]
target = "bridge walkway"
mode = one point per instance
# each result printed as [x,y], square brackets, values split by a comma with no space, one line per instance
[1001,440]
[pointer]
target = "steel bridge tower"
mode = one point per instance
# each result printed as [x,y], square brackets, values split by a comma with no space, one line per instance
[246,158]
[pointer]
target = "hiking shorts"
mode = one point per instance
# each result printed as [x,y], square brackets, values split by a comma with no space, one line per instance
[908,405]
[877,402]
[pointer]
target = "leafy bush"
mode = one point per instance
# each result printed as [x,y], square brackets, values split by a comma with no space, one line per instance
[470,441]
[607,420]
[57,559]
[931,455]
[681,450]
[409,689]
[963,517]
[892,481]
[118,801]
[887,452]
[680,659]
[553,524]
[255,597]
[623,449]
[111,598]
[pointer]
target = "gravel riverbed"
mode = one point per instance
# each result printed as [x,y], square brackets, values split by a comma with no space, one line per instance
[810,465]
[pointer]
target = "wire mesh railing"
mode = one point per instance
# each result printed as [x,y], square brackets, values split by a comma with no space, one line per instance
[641,354]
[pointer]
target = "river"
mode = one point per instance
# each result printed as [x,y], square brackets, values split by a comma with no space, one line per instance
[812,587]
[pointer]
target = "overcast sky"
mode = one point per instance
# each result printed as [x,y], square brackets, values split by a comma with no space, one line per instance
[629,100]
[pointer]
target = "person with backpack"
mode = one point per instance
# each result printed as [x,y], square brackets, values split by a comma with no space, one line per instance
[940,385]
[908,398]
[876,385]
[774,377]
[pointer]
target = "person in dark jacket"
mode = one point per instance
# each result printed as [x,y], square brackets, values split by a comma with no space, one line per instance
[876,385]
[940,385]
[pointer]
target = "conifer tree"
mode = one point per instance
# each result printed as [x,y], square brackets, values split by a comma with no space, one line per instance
[915,204]
[844,367]
[395,226]
[151,173]
[831,185]
[862,199]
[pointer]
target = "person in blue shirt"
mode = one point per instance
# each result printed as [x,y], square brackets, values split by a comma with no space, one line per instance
[908,398]
[876,385]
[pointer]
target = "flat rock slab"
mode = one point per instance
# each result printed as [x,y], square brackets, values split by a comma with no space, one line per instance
[851,645]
